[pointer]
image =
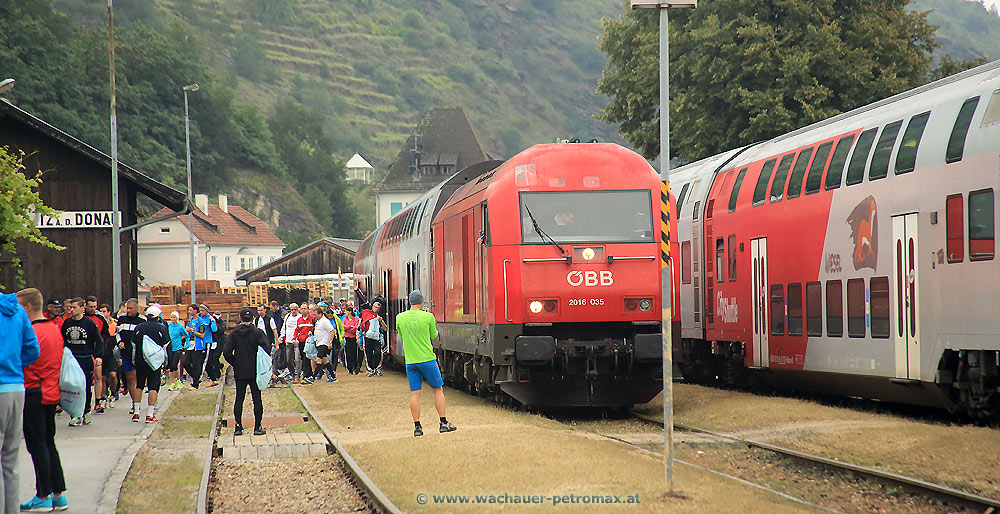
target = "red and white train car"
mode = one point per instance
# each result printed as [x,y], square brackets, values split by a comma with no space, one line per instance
[854,256]
[543,273]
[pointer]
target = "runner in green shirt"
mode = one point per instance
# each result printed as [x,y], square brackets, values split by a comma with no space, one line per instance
[416,328]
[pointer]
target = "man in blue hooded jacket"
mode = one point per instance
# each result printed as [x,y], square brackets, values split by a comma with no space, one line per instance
[18,349]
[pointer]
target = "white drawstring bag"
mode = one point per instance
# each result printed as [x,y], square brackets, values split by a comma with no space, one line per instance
[72,386]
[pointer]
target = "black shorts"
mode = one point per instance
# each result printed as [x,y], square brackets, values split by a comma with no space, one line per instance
[322,351]
[175,359]
[147,378]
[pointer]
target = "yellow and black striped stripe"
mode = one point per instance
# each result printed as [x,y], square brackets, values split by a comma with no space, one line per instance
[664,224]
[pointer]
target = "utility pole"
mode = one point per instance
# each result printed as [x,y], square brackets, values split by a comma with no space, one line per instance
[116,223]
[187,138]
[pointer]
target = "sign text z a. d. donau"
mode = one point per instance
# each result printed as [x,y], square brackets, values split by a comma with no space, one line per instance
[75,219]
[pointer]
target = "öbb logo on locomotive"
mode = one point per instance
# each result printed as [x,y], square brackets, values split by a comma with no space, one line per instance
[590,278]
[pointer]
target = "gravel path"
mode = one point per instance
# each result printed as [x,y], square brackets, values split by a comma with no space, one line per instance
[308,485]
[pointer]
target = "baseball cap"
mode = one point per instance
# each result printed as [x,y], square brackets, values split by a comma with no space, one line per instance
[55,302]
[153,311]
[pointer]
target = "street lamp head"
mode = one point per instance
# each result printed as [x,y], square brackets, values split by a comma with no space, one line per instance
[191,87]
[6,85]
[660,4]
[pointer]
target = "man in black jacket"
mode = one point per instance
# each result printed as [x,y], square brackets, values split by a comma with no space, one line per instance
[147,377]
[240,351]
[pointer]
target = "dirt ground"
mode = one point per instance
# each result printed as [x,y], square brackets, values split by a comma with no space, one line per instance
[498,452]
[961,456]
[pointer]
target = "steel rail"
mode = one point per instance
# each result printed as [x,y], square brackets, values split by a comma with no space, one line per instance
[378,499]
[206,472]
[914,484]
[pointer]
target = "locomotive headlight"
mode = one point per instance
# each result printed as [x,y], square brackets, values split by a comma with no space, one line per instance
[645,304]
[588,254]
[535,306]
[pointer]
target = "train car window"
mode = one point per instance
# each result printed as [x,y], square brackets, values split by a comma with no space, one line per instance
[906,156]
[732,257]
[697,206]
[856,169]
[981,234]
[992,114]
[834,308]
[955,222]
[879,167]
[956,143]
[762,181]
[681,198]
[856,307]
[838,161]
[879,291]
[814,180]
[799,173]
[814,309]
[794,309]
[778,186]
[720,254]
[777,310]
[736,190]
[710,210]
[686,262]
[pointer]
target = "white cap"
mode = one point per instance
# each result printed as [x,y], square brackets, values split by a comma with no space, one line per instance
[153,311]
[175,313]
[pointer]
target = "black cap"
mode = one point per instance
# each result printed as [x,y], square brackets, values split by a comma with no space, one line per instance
[247,313]
[55,302]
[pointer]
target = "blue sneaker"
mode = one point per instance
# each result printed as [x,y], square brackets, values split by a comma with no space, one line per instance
[37,504]
[59,502]
[331,379]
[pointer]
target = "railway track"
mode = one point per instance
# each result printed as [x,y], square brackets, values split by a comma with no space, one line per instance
[943,493]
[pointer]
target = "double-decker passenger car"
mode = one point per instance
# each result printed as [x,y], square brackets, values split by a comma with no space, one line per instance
[543,273]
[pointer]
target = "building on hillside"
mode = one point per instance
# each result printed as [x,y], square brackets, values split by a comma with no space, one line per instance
[442,143]
[324,256]
[77,182]
[228,241]
[358,170]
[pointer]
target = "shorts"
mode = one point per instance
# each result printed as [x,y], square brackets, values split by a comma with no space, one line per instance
[322,351]
[146,378]
[127,363]
[175,360]
[415,373]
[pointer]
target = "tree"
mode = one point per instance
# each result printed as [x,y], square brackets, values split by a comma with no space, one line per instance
[19,203]
[744,71]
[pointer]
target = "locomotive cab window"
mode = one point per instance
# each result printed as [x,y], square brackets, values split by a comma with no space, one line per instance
[906,156]
[834,308]
[956,143]
[778,186]
[586,217]
[838,161]
[856,307]
[955,221]
[856,169]
[736,190]
[981,235]
[762,181]
[815,178]
[799,173]
[879,167]
[777,310]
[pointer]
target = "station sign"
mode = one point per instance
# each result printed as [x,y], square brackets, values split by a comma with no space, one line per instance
[75,219]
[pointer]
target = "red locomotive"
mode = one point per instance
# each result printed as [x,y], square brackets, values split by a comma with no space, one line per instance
[543,273]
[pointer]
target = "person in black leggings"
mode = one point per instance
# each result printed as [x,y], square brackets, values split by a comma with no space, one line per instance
[240,351]
[373,347]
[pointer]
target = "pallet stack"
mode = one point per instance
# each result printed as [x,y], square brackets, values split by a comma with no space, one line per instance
[257,293]
[166,294]
[201,286]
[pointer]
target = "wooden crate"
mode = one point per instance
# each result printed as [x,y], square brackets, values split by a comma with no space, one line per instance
[202,286]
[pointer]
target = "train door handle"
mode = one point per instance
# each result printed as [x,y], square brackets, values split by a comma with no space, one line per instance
[506,310]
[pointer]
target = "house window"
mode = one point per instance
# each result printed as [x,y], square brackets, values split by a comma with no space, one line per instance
[260,260]
[243,263]
[227,263]
[213,264]
[272,259]
[395,207]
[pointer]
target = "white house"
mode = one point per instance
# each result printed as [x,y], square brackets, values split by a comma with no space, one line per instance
[228,241]
[359,170]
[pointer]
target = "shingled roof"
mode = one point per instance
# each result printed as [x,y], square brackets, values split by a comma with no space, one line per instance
[238,227]
[448,140]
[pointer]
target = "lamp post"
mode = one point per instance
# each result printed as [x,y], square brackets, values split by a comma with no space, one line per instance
[187,138]
[665,268]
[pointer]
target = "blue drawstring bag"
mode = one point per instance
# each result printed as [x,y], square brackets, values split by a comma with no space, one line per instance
[154,354]
[310,350]
[72,386]
[263,369]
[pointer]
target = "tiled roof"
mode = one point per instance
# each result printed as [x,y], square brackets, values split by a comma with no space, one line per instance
[235,228]
[448,139]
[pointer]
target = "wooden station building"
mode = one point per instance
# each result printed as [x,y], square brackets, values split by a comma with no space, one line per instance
[320,257]
[77,181]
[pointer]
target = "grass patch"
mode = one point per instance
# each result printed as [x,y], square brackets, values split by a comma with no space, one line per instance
[178,428]
[162,483]
[193,405]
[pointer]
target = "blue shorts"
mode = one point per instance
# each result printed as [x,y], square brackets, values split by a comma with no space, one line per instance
[421,370]
[127,363]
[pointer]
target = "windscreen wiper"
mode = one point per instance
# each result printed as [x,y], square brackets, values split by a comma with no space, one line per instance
[541,233]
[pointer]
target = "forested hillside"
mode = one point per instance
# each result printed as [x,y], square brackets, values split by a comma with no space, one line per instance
[291,88]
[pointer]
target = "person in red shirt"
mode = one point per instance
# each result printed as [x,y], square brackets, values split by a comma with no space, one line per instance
[303,329]
[41,391]
[54,312]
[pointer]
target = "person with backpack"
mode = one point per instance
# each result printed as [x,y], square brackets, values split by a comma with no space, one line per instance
[240,351]
[41,396]
[351,350]
[303,329]
[372,325]
[178,341]
[146,376]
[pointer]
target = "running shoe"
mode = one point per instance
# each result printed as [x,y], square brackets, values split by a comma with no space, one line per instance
[99,409]
[371,373]
[213,383]
[418,431]
[135,418]
[172,387]
[131,410]
[448,427]
[378,372]
[152,419]
[86,418]
[331,380]
[37,504]
[194,388]
[59,502]
[179,384]
[75,422]
[259,431]
[238,430]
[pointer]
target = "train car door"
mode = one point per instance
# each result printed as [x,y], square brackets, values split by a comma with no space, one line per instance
[758,255]
[482,239]
[906,279]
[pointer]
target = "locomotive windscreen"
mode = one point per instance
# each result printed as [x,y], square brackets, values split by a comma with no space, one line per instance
[587,216]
